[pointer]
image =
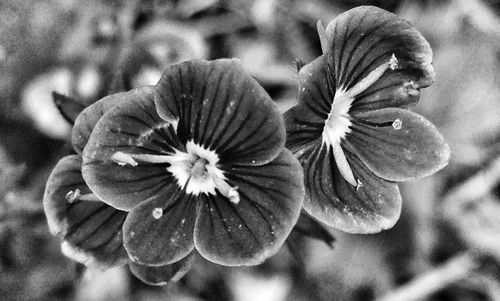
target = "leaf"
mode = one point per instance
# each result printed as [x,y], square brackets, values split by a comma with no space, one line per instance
[68,107]
[308,226]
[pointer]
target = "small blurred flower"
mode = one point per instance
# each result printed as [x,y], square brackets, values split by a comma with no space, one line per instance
[38,104]
[351,130]
[155,48]
[199,161]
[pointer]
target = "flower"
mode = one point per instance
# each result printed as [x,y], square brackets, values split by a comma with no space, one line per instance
[352,131]
[198,162]
[90,230]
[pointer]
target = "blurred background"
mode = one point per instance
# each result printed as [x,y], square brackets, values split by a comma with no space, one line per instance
[446,246]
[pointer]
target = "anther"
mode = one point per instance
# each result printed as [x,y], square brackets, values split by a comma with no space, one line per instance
[224,188]
[342,164]
[73,195]
[123,159]
[157,213]
[359,185]
[76,195]
[233,195]
[397,124]
[393,62]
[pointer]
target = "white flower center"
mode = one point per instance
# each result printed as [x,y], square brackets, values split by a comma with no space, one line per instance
[338,123]
[195,170]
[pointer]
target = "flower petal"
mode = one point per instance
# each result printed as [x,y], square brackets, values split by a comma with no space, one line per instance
[65,177]
[133,127]
[250,231]
[397,145]
[91,230]
[373,207]
[305,121]
[364,38]
[86,121]
[221,107]
[160,230]
[317,88]
[162,275]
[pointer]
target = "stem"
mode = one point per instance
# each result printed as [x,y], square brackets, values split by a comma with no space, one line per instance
[452,271]
[476,186]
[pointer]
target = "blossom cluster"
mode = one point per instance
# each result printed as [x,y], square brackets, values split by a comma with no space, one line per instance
[204,165]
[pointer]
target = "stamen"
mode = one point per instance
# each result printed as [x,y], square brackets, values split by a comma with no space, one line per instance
[174,122]
[338,123]
[123,159]
[195,170]
[89,197]
[73,195]
[157,213]
[76,195]
[393,62]
[397,124]
[359,185]
[372,77]
[224,188]
[343,165]
[233,195]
